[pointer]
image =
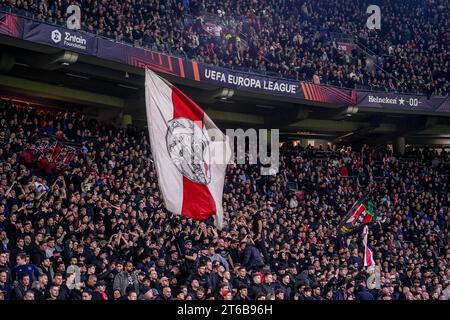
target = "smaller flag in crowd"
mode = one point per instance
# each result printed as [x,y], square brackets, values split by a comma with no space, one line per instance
[361,213]
[50,152]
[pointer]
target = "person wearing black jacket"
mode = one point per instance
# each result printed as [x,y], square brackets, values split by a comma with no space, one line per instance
[166,294]
[316,293]
[256,288]
[202,278]
[252,257]
[4,266]
[100,292]
[306,294]
[363,293]
[64,292]
[18,250]
[214,278]
[46,268]
[190,256]
[257,226]
[287,287]
[241,279]
[269,285]
[5,285]
[242,294]
[12,227]
[22,287]
[40,288]
[407,279]
[38,252]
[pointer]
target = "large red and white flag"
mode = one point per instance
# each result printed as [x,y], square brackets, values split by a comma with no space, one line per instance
[191,154]
[368,255]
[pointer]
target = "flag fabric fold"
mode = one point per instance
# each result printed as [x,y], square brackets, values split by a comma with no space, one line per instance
[190,152]
[368,255]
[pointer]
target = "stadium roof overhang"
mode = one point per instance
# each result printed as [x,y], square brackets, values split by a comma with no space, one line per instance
[79,81]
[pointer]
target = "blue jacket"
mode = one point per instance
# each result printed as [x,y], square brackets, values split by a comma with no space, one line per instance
[363,294]
[30,269]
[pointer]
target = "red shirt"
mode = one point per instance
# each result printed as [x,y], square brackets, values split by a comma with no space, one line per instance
[343,171]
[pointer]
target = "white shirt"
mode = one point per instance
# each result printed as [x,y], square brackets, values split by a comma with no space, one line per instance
[41,187]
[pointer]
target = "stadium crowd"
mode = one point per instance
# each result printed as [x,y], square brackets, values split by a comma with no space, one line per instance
[97,228]
[288,38]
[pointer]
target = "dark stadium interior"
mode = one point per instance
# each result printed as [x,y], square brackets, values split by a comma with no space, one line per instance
[242,110]
[101,230]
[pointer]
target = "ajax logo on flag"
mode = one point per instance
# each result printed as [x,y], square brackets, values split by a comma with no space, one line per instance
[189,149]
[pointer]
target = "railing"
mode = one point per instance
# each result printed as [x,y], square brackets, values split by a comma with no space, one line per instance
[341,37]
[374,57]
[345,38]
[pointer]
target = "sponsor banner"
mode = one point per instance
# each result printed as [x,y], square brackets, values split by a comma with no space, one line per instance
[445,106]
[72,40]
[60,37]
[109,50]
[327,94]
[156,61]
[274,86]
[405,102]
[249,82]
[11,25]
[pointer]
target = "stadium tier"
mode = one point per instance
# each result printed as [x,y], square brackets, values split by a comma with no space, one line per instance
[301,40]
[99,225]
[110,188]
